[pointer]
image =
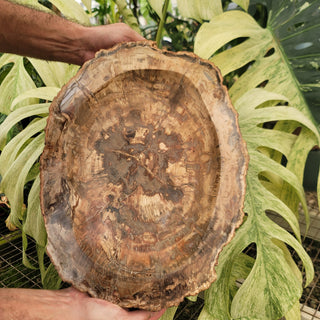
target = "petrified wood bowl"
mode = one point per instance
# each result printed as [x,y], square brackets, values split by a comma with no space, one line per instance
[142,176]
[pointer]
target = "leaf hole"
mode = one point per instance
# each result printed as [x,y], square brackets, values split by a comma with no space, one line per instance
[232,77]
[33,73]
[261,177]
[251,250]
[278,219]
[50,6]
[298,25]
[5,70]
[269,53]
[231,44]
[269,125]
[297,131]
[284,160]
[263,84]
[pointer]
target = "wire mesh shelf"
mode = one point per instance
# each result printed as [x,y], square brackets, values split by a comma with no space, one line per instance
[13,274]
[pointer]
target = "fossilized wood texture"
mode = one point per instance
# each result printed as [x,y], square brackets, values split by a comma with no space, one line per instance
[143,176]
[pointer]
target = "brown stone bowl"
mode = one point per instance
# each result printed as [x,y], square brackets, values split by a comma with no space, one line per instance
[142,176]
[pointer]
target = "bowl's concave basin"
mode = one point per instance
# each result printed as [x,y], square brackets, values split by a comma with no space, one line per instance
[140,173]
[142,176]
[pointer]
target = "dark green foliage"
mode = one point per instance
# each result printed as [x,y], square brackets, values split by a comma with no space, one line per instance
[181,32]
[102,11]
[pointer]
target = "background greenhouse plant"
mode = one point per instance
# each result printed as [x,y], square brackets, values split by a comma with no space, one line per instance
[268,53]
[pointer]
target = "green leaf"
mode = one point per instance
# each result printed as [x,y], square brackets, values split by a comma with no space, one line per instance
[52,73]
[51,280]
[200,10]
[241,268]
[274,284]
[273,52]
[296,25]
[128,15]
[25,259]
[244,4]
[294,313]
[157,6]
[49,276]
[19,114]
[261,163]
[87,4]
[33,4]
[205,315]
[16,82]
[34,223]
[33,173]
[224,28]
[262,57]
[193,298]
[218,297]
[261,296]
[14,178]
[44,93]
[16,145]
[72,10]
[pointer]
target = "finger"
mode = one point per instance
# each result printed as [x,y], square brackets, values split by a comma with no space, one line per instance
[157,315]
[144,315]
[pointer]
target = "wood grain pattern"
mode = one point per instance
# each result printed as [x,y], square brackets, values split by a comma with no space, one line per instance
[142,176]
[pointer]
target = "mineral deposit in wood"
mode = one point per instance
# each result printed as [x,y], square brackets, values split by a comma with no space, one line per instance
[142,176]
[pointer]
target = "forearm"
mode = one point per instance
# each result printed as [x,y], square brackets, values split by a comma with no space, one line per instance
[38,34]
[16,304]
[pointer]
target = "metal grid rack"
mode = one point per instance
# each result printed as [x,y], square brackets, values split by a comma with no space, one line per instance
[14,274]
[12,271]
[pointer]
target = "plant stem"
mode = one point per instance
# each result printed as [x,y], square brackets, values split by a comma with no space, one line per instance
[161,24]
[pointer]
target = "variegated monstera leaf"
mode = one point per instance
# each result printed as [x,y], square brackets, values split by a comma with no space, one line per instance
[275,82]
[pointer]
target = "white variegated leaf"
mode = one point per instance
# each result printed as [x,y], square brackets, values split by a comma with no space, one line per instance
[34,224]
[14,179]
[54,74]
[33,4]
[87,4]
[16,82]
[274,60]
[294,313]
[274,284]
[44,93]
[200,10]
[19,114]
[244,4]
[72,10]
[127,14]
[15,145]
[157,6]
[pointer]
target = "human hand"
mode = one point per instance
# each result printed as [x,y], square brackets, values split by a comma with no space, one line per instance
[104,37]
[65,304]
[37,34]
[97,309]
